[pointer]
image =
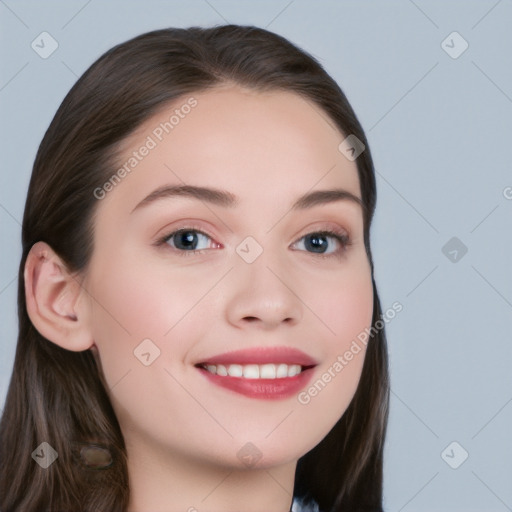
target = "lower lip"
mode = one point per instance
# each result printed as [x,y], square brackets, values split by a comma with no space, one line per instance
[268,389]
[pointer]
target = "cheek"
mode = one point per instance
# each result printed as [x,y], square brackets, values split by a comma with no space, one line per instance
[130,304]
[134,301]
[352,309]
[349,316]
[346,310]
[343,303]
[137,298]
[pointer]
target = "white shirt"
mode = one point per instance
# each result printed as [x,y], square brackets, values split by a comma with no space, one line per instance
[299,506]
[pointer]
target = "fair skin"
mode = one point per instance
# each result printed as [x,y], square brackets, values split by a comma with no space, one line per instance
[183,433]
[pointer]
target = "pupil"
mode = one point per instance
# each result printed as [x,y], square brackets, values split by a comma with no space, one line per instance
[189,237]
[317,242]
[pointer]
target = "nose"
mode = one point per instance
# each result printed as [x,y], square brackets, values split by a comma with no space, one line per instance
[261,295]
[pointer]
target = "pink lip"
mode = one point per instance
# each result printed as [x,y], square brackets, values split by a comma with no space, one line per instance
[266,389]
[269,389]
[263,355]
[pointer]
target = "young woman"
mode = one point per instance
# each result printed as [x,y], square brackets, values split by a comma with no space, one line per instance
[199,326]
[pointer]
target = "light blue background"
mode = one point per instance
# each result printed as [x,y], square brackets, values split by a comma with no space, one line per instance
[439,129]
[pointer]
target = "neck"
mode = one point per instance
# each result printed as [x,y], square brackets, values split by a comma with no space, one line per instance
[169,482]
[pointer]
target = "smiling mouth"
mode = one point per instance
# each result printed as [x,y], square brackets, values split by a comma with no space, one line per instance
[255,371]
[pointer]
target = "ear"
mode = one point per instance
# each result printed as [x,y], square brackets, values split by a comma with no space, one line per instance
[54,299]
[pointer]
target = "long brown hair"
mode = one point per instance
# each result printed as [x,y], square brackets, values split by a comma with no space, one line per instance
[58,396]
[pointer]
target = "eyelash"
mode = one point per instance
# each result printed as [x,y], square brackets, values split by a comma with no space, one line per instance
[342,238]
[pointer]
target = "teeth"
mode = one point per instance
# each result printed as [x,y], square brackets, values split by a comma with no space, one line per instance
[220,369]
[235,370]
[293,370]
[268,371]
[282,371]
[255,371]
[251,371]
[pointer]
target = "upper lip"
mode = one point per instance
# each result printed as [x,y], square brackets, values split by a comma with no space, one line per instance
[262,355]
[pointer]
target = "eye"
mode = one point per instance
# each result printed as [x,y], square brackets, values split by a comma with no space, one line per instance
[188,241]
[317,242]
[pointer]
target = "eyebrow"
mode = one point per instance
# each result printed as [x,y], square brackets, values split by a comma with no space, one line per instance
[228,200]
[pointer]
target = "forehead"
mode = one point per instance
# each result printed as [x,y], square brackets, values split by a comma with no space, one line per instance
[274,143]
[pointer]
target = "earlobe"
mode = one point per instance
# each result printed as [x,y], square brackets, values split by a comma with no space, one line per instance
[52,299]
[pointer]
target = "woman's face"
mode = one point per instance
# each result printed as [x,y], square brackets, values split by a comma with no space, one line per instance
[263,280]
